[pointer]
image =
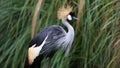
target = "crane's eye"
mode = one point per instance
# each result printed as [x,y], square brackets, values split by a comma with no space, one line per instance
[69,17]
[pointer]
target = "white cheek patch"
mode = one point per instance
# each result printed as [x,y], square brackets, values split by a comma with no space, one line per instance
[69,17]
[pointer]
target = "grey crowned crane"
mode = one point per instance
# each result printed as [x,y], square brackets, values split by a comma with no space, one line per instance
[49,40]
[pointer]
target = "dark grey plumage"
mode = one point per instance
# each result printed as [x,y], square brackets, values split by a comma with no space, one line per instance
[54,33]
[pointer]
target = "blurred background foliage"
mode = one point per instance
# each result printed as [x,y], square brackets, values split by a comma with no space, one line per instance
[97,33]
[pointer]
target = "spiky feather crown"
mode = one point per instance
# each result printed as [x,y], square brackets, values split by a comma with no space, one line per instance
[63,12]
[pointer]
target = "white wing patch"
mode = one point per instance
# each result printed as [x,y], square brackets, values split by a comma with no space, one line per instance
[33,51]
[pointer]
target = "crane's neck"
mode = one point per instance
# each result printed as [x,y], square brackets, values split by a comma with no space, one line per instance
[69,27]
[69,36]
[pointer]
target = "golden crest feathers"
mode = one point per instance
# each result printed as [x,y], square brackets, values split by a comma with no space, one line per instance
[63,12]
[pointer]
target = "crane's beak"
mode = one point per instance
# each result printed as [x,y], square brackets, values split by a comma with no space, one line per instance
[75,18]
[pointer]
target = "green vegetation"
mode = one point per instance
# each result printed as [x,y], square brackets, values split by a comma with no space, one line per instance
[97,40]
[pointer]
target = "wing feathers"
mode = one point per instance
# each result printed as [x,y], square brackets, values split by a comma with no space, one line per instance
[33,51]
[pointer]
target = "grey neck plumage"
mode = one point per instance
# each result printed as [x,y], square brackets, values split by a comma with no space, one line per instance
[69,35]
[69,27]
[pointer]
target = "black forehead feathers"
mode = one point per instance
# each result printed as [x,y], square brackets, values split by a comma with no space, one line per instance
[72,14]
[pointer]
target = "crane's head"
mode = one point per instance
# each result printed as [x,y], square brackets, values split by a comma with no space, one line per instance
[65,12]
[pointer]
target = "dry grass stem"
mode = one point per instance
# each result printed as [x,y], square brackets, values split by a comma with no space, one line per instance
[80,8]
[37,9]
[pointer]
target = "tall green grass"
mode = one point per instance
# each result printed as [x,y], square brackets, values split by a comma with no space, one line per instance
[96,43]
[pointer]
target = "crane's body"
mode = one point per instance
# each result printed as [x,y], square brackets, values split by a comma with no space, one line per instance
[49,40]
